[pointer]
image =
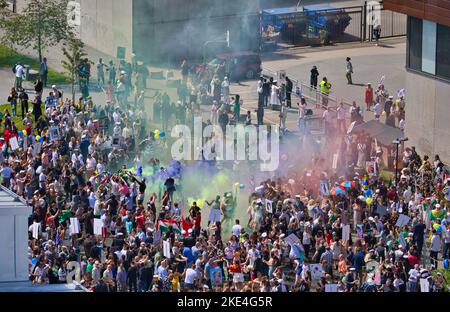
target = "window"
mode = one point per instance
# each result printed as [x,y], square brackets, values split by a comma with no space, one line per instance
[443,52]
[414,54]
[429,47]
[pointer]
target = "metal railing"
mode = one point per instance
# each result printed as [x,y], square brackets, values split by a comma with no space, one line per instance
[312,95]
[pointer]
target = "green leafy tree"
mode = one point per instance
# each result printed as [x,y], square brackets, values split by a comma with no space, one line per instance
[73,51]
[42,24]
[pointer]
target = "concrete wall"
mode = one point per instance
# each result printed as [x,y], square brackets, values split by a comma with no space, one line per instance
[107,24]
[169,30]
[428,115]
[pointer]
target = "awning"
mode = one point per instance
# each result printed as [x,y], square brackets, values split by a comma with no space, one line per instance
[384,134]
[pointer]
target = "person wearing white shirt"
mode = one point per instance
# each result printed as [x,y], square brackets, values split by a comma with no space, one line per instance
[190,276]
[116,116]
[401,124]
[236,229]
[435,248]
[377,111]
[126,132]
[19,75]
[341,118]
[326,117]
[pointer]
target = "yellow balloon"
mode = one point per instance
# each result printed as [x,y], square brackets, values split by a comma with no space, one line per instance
[156,136]
[156,131]
[24,132]
[237,185]
[199,203]
[369,200]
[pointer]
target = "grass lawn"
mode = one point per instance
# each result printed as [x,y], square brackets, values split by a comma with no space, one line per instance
[9,57]
[18,119]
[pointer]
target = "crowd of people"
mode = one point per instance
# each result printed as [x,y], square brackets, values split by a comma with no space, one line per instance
[314,230]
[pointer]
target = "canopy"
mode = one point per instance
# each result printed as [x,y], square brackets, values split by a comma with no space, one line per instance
[384,134]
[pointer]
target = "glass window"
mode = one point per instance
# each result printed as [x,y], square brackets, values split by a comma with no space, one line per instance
[414,54]
[429,47]
[443,52]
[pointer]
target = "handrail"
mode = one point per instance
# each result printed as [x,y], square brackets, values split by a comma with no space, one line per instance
[317,94]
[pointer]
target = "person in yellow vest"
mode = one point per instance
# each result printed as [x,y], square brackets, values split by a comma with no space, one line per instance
[325,87]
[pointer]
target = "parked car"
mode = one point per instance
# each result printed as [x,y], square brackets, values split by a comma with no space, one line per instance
[238,65]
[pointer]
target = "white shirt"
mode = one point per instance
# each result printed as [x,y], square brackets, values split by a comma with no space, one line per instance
[435,243]
[236,229]
[378,109]
[326,116]
[191,275]
[19,71]
[259,87]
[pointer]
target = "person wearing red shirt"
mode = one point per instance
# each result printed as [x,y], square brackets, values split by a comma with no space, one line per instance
[368,98]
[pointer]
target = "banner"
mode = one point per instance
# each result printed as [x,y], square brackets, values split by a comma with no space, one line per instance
[324,187]
[166,249]
[13,143]
[74,227]
[35,229]
[316,271]
[98,225]
[402,220]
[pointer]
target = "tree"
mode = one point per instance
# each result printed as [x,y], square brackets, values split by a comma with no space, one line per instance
[42,24]
[73,50]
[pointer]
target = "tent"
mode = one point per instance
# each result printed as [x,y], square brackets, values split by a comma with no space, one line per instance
[384,134]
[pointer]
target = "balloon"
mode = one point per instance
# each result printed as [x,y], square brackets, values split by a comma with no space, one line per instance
[41,139]
[20,133]
[366,182]
[24,132]
[369,200]
[237,185]
[242,186]
[156,136]
[368,193]
[38,137]
[435,226]
[156,131]
[162,134]
[361,198]
[199,203]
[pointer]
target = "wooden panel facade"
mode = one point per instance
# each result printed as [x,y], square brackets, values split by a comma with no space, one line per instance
[437,11]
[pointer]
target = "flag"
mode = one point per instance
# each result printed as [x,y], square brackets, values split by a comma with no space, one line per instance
[58,238]
[65,215]
[164,225]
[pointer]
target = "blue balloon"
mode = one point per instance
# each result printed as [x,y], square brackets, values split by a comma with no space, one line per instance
[242,186]
[368,193]
[41,139]
[162,134]
[20,132]
[446,264]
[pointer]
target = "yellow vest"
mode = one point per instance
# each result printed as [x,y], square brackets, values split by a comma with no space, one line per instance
[325,87]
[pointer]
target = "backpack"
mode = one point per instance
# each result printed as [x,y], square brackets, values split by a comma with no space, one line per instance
[14,68]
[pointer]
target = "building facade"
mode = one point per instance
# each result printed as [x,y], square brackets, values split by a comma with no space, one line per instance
[427,74]
[168,30]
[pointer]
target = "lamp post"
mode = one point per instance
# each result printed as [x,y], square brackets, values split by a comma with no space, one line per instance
[397,142]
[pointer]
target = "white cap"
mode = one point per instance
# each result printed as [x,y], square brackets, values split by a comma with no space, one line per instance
[190,231]
[264,234]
